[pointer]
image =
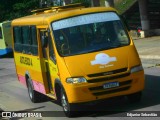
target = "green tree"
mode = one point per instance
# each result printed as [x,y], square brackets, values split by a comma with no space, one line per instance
[11,9]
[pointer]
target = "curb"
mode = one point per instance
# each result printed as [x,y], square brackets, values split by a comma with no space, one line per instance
[155,57]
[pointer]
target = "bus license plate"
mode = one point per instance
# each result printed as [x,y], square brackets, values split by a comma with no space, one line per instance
[111,85]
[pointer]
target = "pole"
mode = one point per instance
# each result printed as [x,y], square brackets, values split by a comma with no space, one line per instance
[144,15]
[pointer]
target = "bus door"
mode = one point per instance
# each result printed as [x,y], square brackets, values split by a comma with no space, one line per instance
[49,59]
[52,62]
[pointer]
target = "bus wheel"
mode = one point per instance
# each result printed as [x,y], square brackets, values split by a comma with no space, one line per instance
[33,95]
[67,107]
[134,98]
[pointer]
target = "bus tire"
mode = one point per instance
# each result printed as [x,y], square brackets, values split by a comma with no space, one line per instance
[33,95]
[68,108]
[135,97]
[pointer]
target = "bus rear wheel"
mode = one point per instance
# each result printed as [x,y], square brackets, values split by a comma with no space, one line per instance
[33,95]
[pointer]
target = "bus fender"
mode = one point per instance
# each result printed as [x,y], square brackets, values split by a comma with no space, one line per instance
[58,82]
[28,78]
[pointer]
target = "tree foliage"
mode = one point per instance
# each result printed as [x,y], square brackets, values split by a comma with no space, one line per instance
[11,9]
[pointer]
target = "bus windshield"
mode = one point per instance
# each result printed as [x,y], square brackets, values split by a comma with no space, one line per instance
[89,33]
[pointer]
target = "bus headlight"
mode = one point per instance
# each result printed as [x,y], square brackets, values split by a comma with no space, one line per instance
[136,69]
[76,80]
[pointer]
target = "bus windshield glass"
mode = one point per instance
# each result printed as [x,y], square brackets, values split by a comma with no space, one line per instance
[89,33]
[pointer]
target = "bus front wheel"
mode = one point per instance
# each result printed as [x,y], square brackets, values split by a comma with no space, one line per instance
[68,108]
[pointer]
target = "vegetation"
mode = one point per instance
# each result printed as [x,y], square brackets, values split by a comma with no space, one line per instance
[123,5]
[10,9]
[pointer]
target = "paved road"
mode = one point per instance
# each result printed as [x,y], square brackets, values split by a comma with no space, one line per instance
[148,49]
[14,96]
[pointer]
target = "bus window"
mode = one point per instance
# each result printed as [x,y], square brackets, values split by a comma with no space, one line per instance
[17,34]
[33,35]
[121,35]
[26,39]
[34,44]
[25,34]
[104,35]
[17,39]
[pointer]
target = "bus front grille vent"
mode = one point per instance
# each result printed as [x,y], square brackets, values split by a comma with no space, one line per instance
[108,72]
[95,80]
[99,90]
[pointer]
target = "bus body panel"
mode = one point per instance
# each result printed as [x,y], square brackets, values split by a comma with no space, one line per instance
[84,66]
[97,73]
[80,65]
[30,66]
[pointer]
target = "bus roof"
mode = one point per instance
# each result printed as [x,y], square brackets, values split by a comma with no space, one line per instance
[47,16]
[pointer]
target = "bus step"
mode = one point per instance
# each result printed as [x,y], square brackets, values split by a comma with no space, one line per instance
[51,95]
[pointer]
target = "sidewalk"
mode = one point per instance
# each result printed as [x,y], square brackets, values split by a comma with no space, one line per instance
[149,51]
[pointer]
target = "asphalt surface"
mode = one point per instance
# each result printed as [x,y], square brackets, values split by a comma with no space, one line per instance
[148,49]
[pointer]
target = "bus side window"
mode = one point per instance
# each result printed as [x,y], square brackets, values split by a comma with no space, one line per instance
[34,43]
[26,40]
[17,39]
[1,37]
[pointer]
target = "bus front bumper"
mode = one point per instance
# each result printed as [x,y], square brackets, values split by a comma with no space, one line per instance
[88,92]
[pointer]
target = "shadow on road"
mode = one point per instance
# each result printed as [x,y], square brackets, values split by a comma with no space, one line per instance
[10,55]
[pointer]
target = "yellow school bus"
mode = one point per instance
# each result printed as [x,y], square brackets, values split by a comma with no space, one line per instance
[76,55]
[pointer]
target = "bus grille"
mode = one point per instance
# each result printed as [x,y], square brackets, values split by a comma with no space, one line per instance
[108,78]
[108,73]
[97,91]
